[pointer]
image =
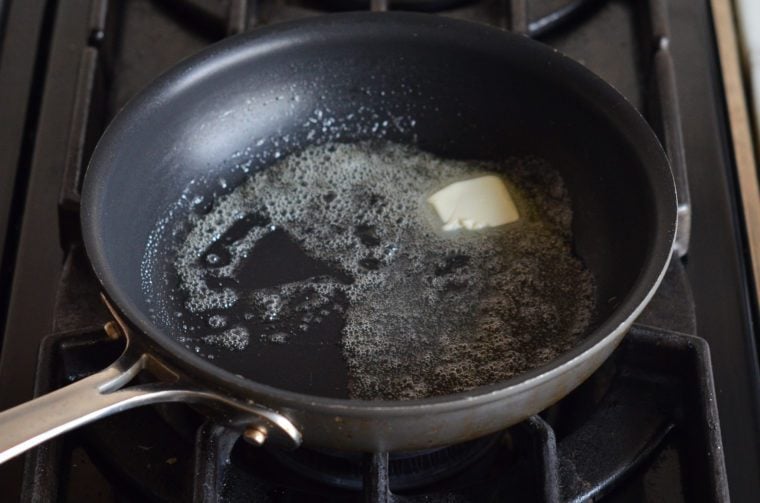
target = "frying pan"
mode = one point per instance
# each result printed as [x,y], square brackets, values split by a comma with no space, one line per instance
[473,93]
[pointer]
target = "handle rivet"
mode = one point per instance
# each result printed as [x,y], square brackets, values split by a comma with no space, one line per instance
[255,435]
[112,330]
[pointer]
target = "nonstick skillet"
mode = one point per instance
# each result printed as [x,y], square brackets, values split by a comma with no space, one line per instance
[474,93]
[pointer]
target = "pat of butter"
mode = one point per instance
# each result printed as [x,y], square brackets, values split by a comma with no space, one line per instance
[474,204]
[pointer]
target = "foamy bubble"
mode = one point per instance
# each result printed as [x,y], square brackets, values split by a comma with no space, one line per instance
[425,312]
[217,321]
[234,339]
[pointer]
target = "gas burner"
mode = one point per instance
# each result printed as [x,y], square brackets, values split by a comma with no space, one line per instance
[406,470]
[410,5]
[534,18]
[544,17]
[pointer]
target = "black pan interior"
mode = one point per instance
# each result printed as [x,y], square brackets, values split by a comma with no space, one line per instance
[470,92]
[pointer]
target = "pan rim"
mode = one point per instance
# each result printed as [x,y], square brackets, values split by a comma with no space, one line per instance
[263,39]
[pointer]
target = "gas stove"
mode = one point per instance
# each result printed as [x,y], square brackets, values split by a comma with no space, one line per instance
[672,416]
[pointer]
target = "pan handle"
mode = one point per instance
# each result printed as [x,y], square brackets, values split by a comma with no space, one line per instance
[106,392]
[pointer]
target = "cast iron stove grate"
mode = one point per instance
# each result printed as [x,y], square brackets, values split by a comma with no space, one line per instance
[649,414]
[648,417]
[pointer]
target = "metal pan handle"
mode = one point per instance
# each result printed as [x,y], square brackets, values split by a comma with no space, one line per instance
[43,418]
[104,393]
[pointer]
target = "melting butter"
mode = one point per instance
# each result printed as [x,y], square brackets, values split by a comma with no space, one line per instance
[474,204]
